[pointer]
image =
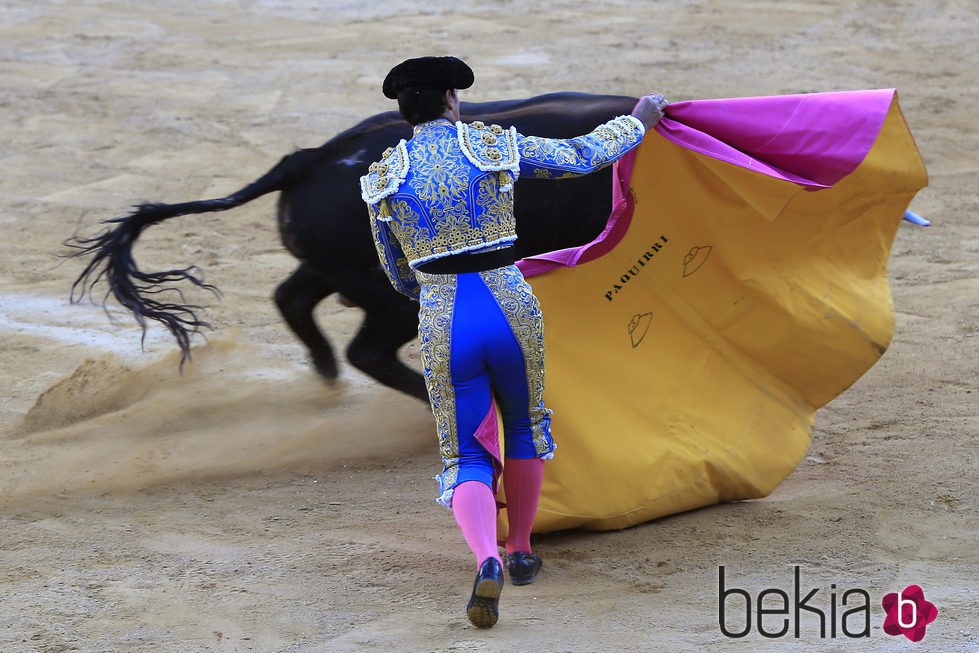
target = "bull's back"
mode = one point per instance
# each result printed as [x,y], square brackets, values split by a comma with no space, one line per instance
[556,115]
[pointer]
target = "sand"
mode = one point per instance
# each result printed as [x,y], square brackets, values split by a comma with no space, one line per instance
[246,506]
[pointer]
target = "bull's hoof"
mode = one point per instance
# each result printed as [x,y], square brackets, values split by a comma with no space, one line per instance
[327,370]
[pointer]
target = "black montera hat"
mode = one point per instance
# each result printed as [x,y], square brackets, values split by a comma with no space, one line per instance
[428,72]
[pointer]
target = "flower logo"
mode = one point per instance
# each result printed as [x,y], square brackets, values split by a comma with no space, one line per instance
[908,613]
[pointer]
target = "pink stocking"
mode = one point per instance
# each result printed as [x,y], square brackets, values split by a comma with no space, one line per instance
[474,507]
[522,479]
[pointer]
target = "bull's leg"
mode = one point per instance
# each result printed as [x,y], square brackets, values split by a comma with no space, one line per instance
[374,350]
[390,321]
[296,298]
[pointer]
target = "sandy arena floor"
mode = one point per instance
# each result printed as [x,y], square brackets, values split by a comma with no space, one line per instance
[247,507]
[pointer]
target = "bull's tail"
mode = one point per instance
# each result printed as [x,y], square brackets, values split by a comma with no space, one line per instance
[145,293]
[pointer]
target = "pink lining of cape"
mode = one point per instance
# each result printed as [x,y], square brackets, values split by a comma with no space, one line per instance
[813,140]
[488,436]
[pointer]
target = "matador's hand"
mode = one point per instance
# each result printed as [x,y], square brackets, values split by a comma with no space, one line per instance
[650,109]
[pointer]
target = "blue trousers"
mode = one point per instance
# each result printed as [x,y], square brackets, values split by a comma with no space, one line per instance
[482,338]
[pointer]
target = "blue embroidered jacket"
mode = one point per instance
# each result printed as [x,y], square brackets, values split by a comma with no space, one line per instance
[449,190]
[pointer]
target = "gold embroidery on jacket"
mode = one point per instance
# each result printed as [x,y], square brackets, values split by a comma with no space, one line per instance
[450,189]
[489,148]
[446,204]
[551,158]
[395,265]
[385,176]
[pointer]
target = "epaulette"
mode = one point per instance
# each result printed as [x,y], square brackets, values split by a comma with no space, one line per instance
[385,177]
[491,147]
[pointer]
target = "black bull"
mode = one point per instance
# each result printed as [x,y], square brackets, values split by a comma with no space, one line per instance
[323,223]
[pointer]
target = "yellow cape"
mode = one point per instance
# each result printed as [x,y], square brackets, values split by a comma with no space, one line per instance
[685,366]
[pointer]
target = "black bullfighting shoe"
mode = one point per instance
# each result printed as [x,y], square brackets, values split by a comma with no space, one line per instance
[523,567]
[484,604]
